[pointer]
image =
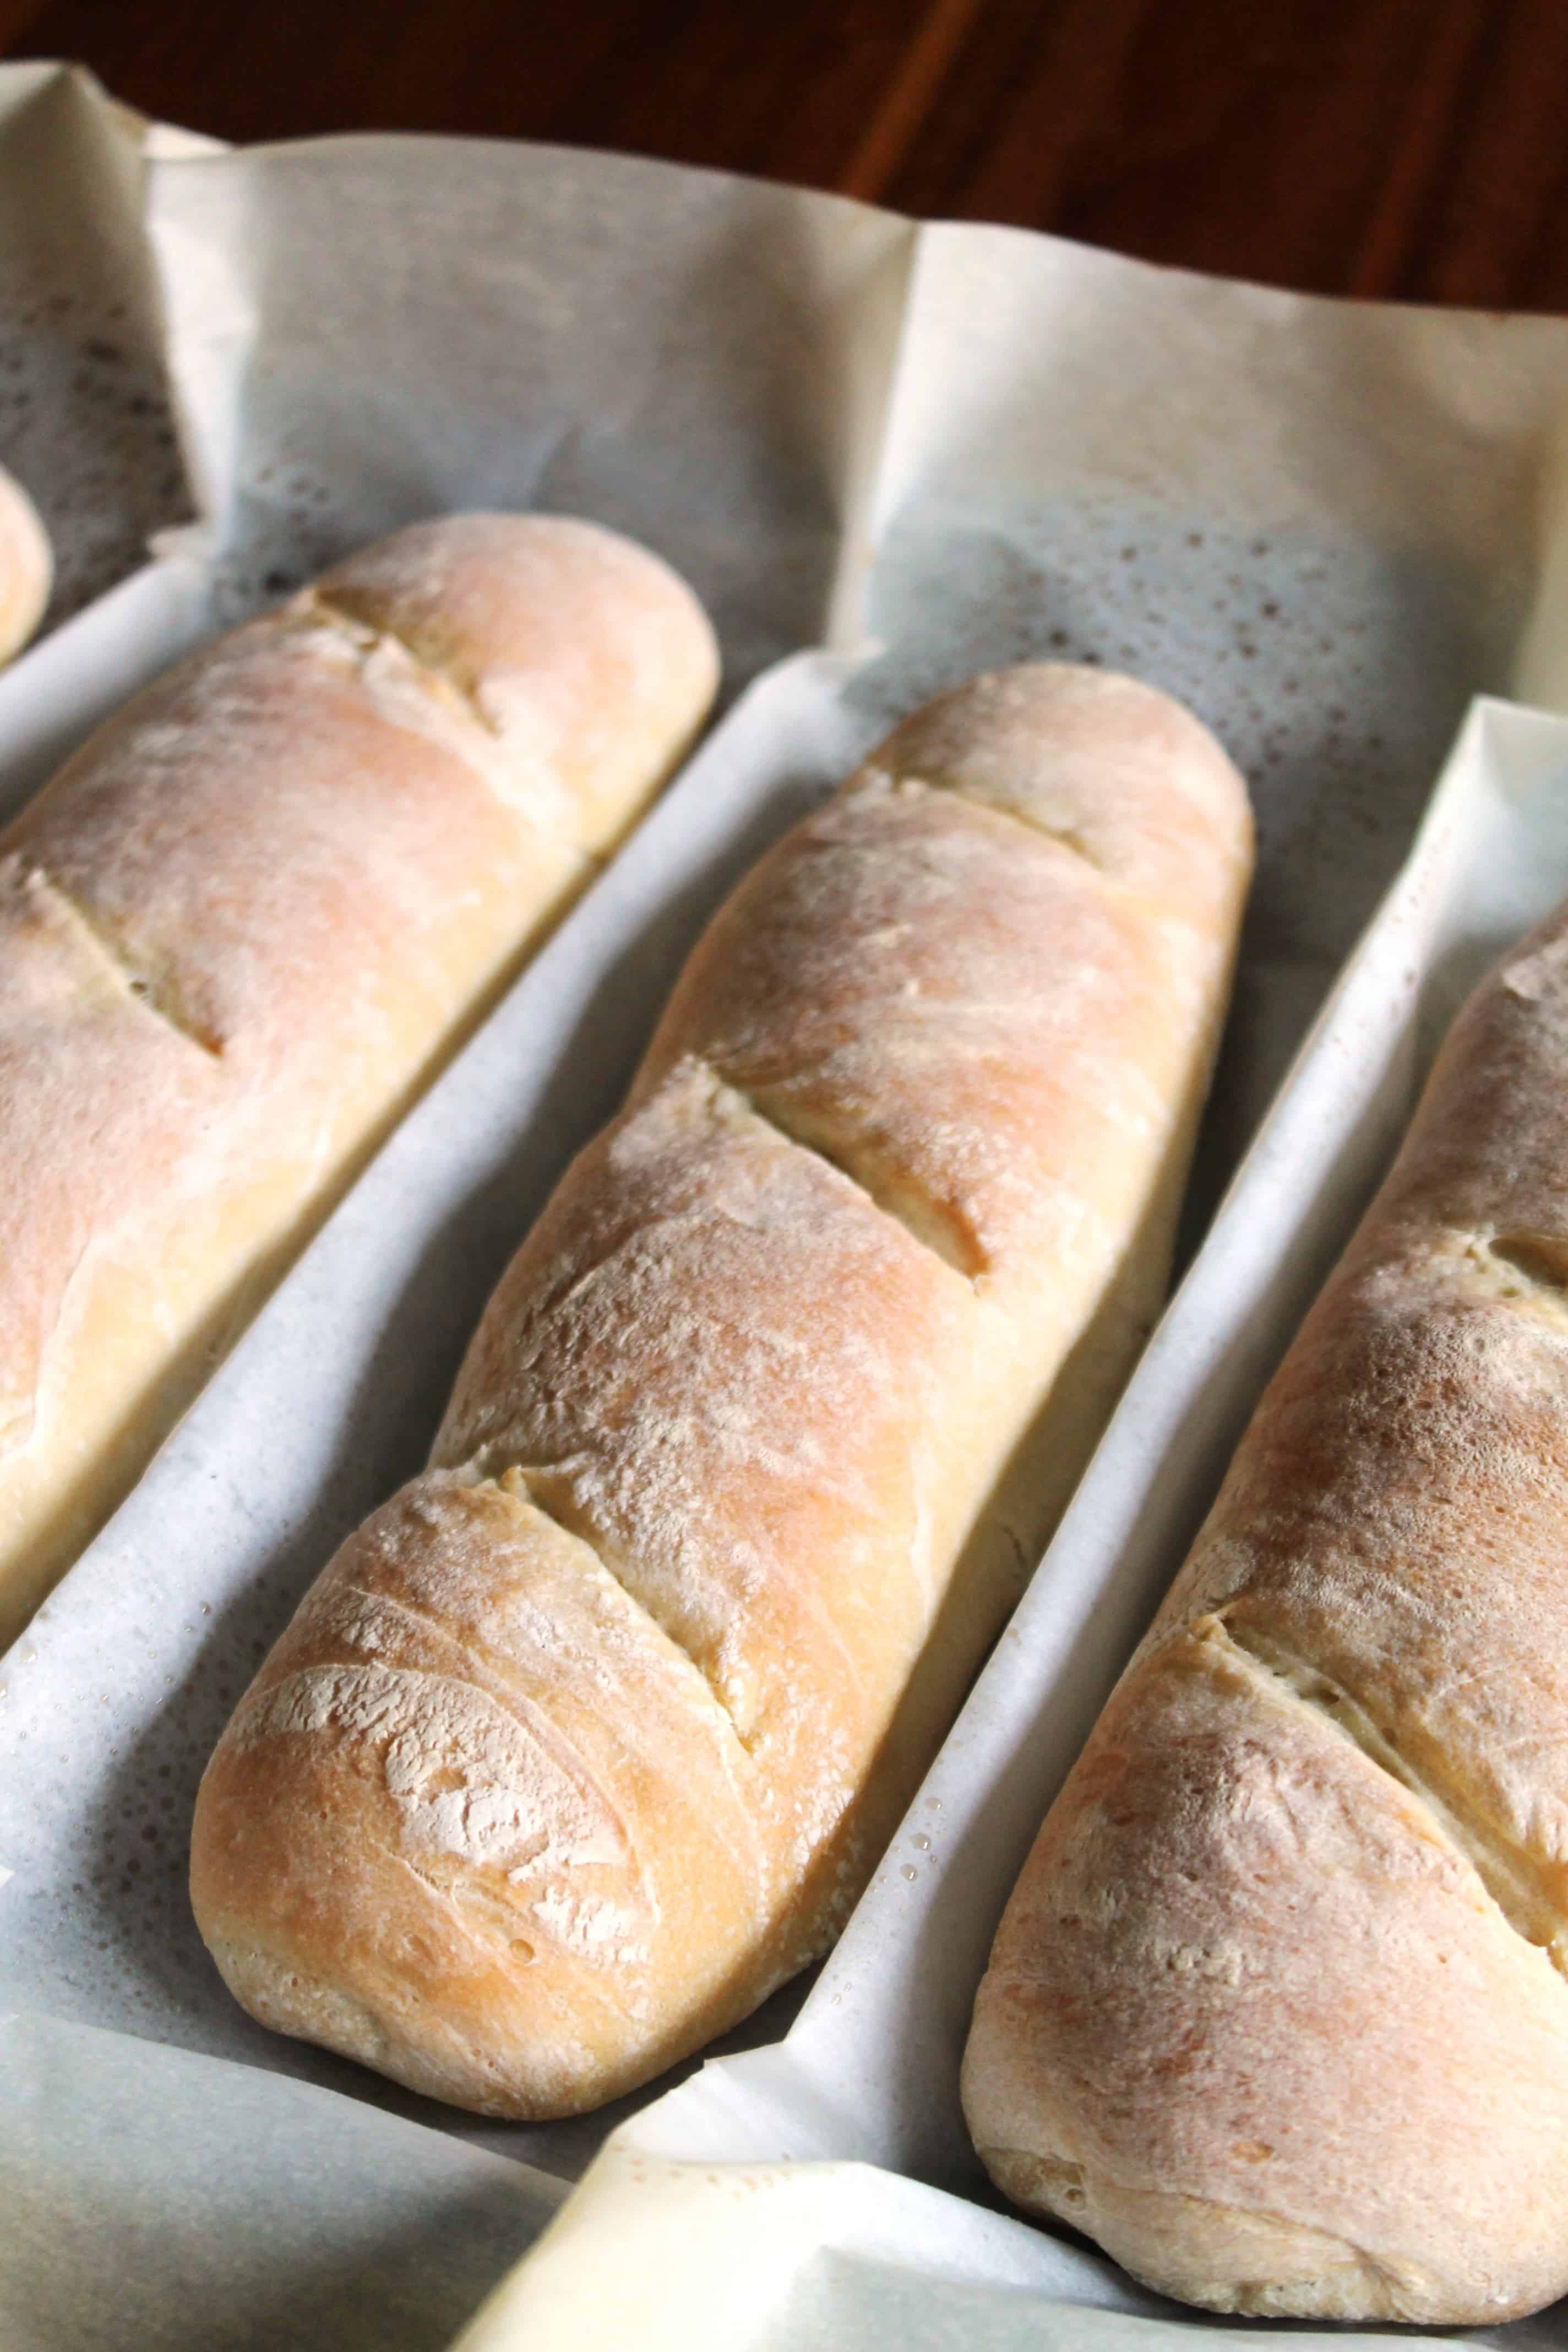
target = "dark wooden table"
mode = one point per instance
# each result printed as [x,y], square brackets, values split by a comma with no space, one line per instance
[1412,148]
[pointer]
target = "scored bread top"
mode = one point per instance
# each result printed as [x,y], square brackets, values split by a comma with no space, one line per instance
[657,1368]
[956,980]
[580,655]
[283,878]
[70,1028]
[1320,1842]
[803,1355]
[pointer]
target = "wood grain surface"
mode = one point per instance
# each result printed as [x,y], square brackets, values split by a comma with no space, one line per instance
[1409,148]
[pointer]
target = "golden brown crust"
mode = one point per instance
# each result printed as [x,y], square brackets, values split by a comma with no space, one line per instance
[782,1356]
[1336,1767]
[877,990]
[240,927]
[642,1365]
[572,649]
[500,1767]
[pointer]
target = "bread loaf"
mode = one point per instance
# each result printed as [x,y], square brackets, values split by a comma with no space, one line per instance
[1277,2012]
[241,927]
[589,1738]
[27,567]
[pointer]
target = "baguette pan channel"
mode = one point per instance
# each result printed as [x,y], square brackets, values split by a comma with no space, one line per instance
[246,922]
[1277,2012]
[589,1739]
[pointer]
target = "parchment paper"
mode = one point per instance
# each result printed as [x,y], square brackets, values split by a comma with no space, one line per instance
[1325,525]
[85,419]
[158,2202]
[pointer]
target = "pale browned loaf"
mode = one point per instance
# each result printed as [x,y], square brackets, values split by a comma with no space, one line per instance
[1277,2012]
[27,567]
[589,1738]
[245,921]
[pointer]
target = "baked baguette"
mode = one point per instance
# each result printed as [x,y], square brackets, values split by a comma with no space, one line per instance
[247,918]
[27,567]
[1276,2010]
[589,1739]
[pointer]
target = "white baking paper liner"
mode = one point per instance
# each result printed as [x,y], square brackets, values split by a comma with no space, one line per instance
[156,2201]
[85,417]
[1325,525]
